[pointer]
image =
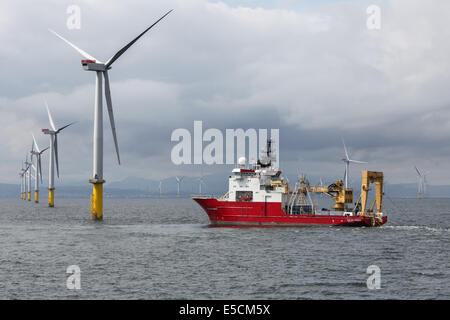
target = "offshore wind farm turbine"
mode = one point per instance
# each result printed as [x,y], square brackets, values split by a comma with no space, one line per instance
[38,167]
[22,183]
[25,180]
[28,178]
[419,183]
[101,69]
[53,134]
[347,162]
[179,179]
[200,183]
[160,188]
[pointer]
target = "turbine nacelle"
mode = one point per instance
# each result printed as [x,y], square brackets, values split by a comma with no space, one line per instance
[93,65]
[48,131]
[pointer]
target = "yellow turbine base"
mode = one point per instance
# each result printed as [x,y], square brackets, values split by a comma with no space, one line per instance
[29,196]
[97,201]
[51,198]
[36,196]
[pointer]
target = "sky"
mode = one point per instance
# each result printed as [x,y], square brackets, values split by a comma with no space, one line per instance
[312,69]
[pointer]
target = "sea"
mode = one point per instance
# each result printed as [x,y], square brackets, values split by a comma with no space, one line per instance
[153,248]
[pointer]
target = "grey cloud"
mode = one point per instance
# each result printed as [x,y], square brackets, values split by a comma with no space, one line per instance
[316,74]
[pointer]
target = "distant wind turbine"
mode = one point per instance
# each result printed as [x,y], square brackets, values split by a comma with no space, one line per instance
[160,189]
[179,179]
[421,183]
[200,183]
[53,134]
[22,182]
[28,180]
[347,162]
[38,167]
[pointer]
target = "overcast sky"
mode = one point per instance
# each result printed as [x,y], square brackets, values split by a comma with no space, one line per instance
[309,68]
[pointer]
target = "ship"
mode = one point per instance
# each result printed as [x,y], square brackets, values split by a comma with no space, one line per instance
[258,195]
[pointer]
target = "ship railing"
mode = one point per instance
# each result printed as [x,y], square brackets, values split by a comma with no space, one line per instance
[203,196]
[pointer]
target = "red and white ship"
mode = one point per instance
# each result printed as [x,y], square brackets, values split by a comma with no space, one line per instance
[260,196]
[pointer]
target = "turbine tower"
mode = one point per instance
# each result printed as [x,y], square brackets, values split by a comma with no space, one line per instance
[347,162]
[24,182]
[160,189]
[101,69]
[425,182]
[21,173]
[200,183]
[28,179]
[53,134]
[38,167]
[179,179]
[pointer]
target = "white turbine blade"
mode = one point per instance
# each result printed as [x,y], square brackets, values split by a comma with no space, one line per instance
[356,161]
[35,143]
[110,112]
[345,149]
[83,53]
[122,51]
[52,124]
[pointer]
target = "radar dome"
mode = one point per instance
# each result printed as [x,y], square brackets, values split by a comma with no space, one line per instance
[242,161]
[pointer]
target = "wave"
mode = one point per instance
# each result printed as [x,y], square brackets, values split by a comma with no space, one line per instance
[426,228]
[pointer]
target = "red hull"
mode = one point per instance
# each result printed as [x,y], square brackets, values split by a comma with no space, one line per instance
[271,214]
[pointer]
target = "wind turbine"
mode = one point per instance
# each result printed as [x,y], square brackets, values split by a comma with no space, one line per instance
[28,171]
[24,182]
[160,188]
[25,179]
[200,183]
[101,69]
[347,162]
[21,174]
[53,134]
[38,168]
[419,183]
[179,179]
